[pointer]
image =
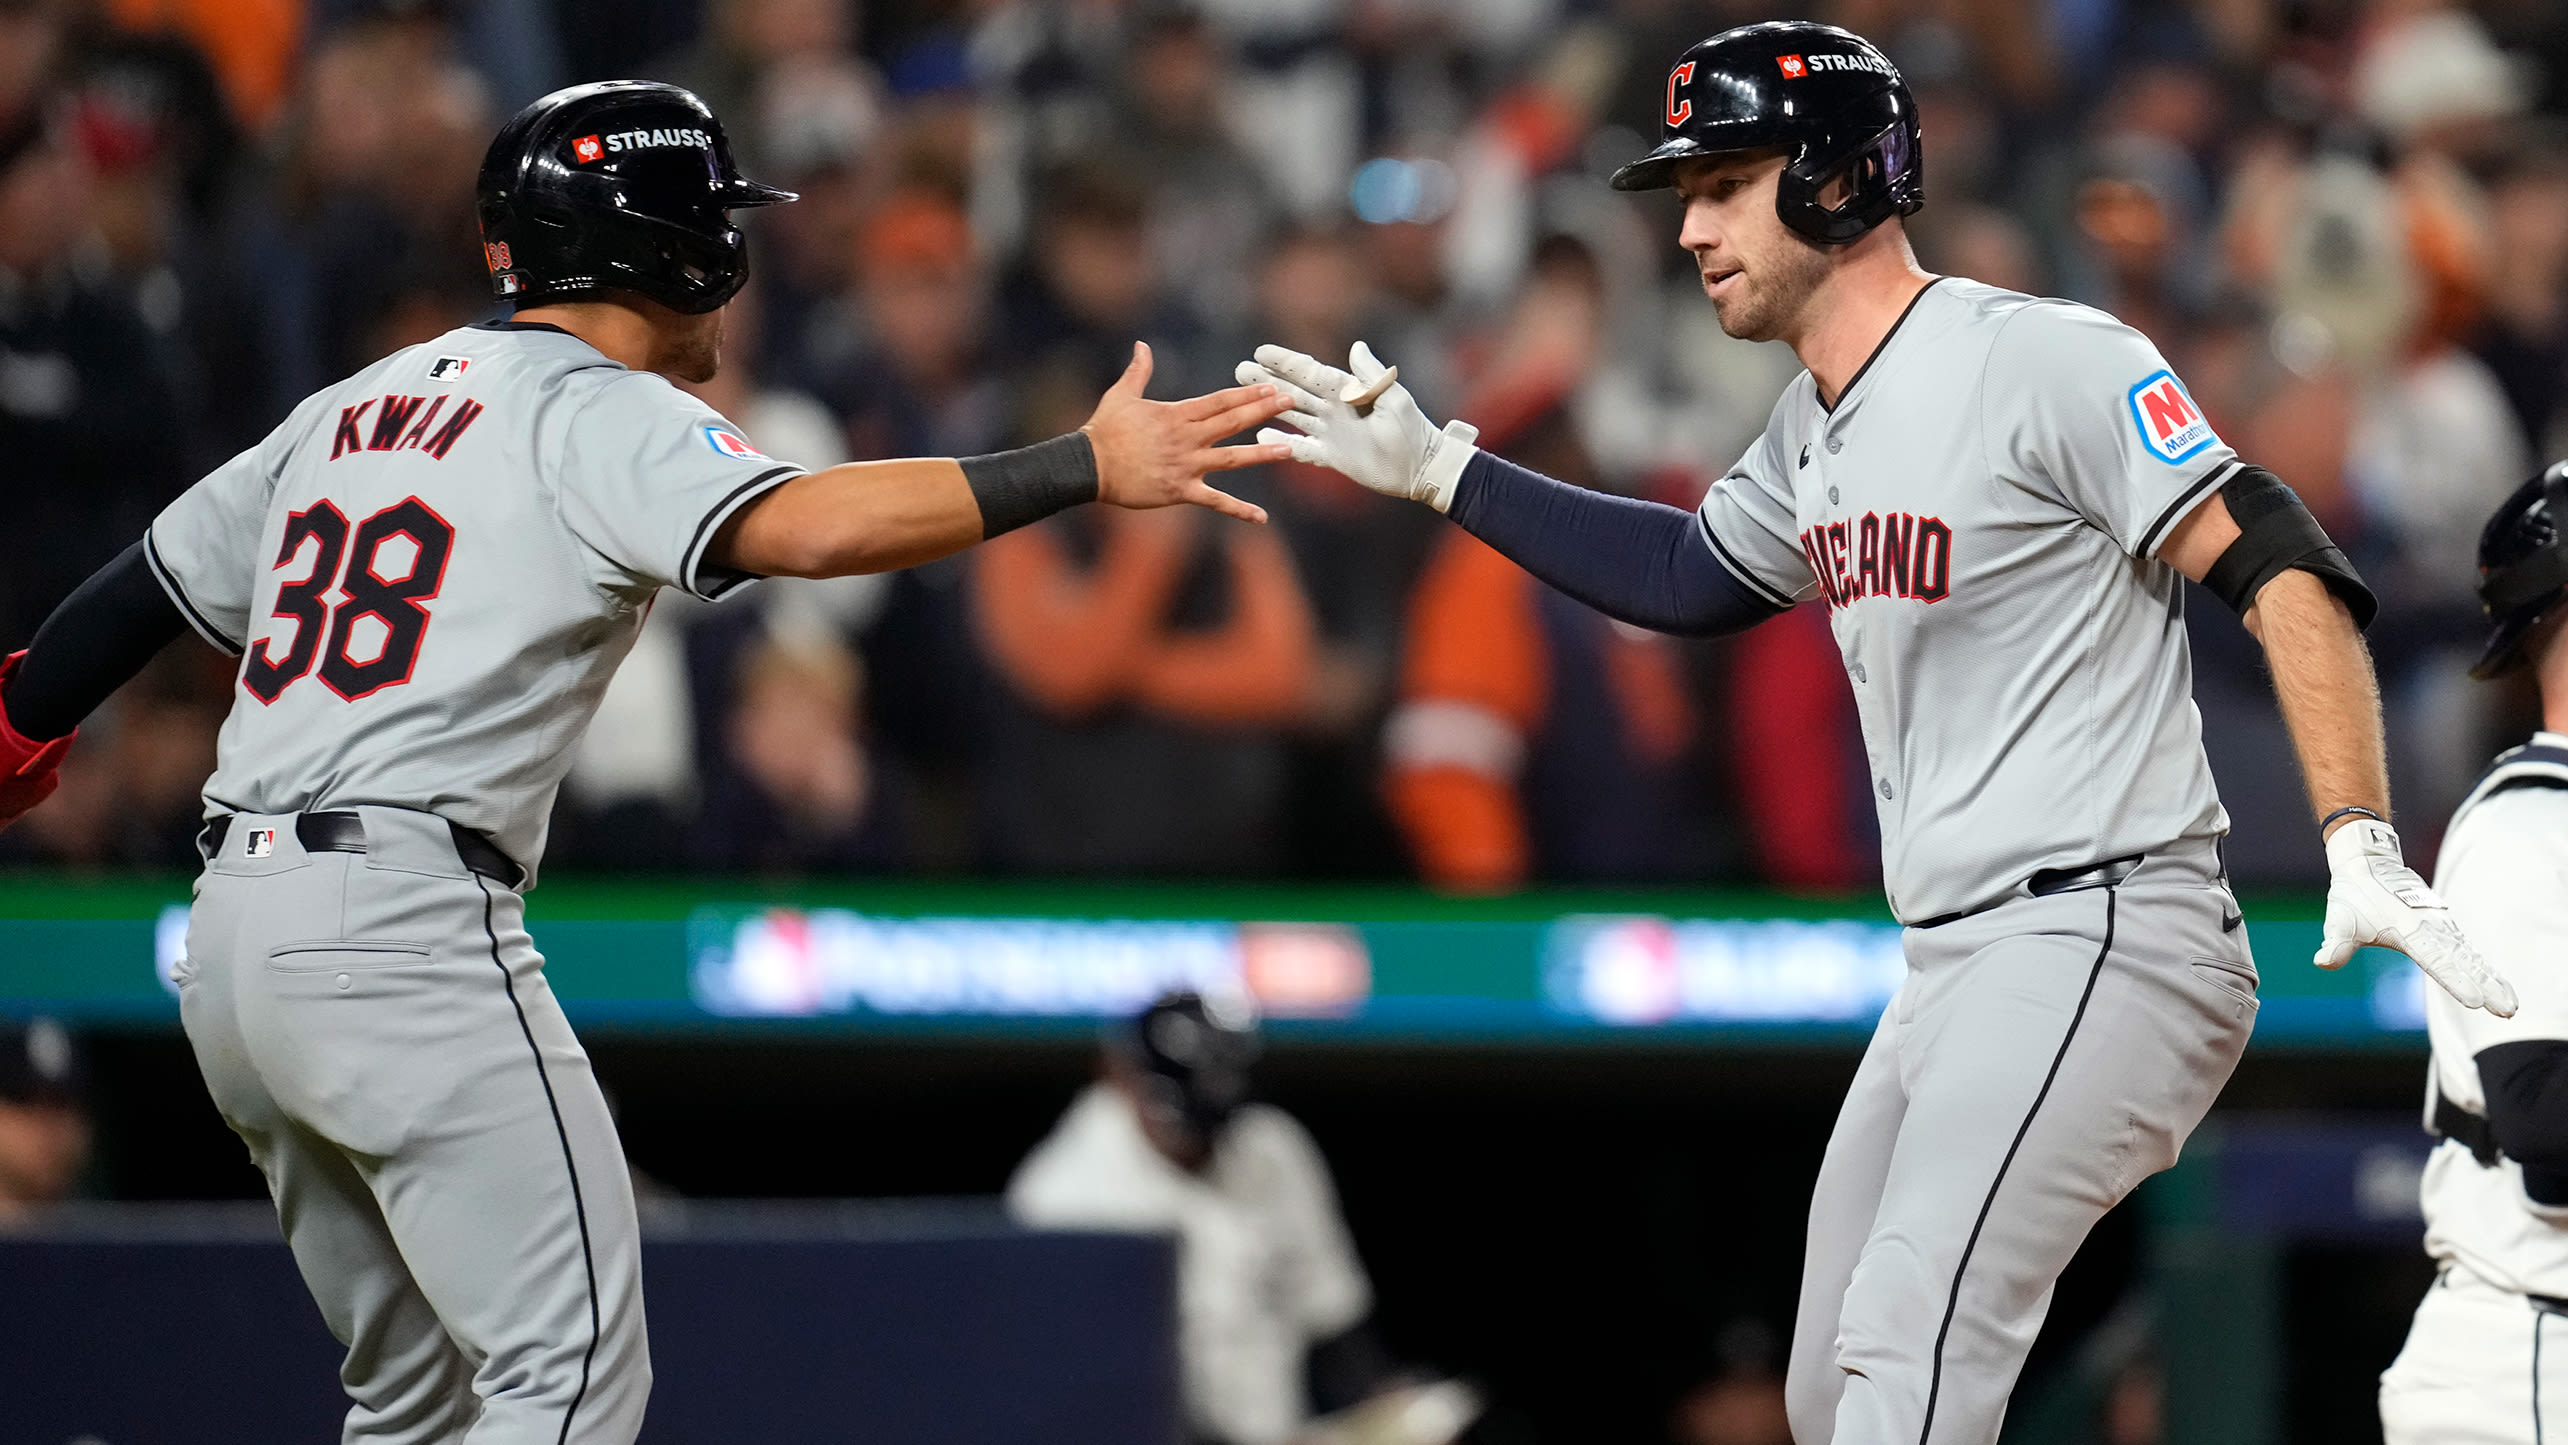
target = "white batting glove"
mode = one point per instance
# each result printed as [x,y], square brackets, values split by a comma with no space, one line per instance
[1391,448]
[2374,897]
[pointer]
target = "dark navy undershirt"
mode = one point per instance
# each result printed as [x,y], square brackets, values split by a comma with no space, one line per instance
[92,644]
[1639,562]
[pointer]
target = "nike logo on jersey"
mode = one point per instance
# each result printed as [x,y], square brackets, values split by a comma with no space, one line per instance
[1805,456]
[1898,555]
[400,423]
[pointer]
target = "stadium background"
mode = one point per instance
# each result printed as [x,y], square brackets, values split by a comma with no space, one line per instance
[1569,931]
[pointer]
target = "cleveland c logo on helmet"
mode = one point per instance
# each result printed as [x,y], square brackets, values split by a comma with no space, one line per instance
[1678,110]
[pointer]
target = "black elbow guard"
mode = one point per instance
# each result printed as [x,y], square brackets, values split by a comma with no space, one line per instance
[2275,534]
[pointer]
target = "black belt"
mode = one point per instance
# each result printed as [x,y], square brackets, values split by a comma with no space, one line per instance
[2048,881]
[345,832]
[2094,875]
[2451,1121]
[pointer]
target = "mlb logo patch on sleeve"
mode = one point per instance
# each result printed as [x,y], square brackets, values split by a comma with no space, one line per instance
[2171,426]
[449,368]
[731,445]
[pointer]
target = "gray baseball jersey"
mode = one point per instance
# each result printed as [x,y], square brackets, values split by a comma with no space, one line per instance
[432,569]
[1981,511]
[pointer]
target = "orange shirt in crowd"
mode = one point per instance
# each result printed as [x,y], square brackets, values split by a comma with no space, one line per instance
[251,43]
[1534,737]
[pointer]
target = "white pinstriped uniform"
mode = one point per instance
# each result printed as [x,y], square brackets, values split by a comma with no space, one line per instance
[2486,1362]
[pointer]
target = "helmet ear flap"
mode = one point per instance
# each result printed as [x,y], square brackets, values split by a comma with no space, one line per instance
[1880,178]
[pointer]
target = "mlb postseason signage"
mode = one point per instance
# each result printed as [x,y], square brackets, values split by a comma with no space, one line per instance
[1033,962]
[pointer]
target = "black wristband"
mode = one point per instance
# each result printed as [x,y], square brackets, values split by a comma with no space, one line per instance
[1031,483]
[2349,808]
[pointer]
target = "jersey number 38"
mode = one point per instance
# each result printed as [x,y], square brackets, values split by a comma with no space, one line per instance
[370,640]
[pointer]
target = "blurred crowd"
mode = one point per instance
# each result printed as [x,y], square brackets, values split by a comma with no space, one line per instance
[2344,221]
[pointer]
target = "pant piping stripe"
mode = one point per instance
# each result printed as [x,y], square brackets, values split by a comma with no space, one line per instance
[579,1205]
[1953,1300]
[2536,1377]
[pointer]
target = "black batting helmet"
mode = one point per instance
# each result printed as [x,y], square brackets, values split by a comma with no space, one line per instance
[1193,1056]
[1827,97]
[620,185]
[2523,567]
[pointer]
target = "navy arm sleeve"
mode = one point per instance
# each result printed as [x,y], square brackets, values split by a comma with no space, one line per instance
[1640,562]
[2526,1083]
[91,645]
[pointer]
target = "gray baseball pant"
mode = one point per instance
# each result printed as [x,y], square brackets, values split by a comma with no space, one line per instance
[377,1028]
[2041,1059]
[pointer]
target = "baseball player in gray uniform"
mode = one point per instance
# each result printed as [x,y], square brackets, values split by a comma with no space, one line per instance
[429,572]
[1995,497]
[2474,1371]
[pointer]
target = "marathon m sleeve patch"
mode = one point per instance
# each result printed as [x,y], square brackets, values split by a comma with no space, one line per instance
[2171,426]
[2064,417]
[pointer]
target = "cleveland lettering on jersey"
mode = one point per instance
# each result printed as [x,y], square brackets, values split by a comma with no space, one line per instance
[394,415]
[1897,555]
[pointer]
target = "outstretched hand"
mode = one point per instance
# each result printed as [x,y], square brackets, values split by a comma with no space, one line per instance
[2374,898]
[1156,453]
[1363,424]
